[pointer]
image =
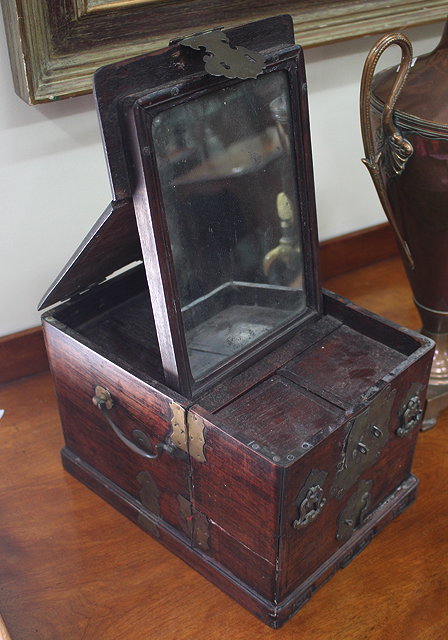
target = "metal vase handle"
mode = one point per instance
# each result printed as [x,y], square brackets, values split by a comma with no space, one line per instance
[394,150]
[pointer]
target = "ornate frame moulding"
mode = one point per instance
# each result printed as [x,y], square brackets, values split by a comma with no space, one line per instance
[56,45]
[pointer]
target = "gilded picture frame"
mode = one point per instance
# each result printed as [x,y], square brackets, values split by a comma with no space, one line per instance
[56,45]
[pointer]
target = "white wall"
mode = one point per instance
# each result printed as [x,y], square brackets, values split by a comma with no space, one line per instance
[54,185]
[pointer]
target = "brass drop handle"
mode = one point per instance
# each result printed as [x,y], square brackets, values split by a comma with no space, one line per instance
[399,149]
[103,400]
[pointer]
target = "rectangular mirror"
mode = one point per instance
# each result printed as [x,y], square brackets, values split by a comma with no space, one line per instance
[227,177]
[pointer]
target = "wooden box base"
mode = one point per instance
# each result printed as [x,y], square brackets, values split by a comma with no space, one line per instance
[286,471]
[274,615]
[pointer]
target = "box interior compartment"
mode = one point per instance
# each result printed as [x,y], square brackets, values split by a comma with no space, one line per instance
[115,318]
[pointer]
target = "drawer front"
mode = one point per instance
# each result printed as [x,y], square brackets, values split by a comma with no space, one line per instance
[116,440]
[238,490]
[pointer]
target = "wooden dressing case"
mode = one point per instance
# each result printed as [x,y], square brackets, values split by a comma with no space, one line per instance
[261,429]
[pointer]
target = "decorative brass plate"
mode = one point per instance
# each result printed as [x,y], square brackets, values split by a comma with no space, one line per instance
[310,500]
[411,412]
[221,59]
[367,436]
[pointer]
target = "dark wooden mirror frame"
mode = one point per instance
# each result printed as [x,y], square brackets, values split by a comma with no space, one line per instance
[151,220]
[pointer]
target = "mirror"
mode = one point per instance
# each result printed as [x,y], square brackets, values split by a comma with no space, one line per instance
[228,180]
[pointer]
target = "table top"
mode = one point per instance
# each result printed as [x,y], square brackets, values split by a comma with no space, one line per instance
[72,567]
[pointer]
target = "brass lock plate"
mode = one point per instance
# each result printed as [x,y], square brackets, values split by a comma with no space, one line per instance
[367,435]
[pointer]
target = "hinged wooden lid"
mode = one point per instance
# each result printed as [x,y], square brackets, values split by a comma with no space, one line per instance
[112,243]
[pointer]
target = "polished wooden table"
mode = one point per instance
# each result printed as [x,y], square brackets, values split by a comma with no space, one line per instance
[73,568]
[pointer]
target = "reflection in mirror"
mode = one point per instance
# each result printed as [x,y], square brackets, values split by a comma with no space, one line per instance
[227,175]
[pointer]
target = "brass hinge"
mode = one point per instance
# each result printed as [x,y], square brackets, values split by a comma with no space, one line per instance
[188,432]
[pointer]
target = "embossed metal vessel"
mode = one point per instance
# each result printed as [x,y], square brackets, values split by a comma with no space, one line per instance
[404,120]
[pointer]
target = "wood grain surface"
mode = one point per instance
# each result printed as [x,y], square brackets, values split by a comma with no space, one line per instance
[72,567]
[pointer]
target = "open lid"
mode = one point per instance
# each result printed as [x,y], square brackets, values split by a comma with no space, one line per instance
[111,244]
[217,160]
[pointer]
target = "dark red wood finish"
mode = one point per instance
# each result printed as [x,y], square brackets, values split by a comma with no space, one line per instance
[303,552]
[234,386]
[238,488]
[24,353]
[77,370]
[231,516]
